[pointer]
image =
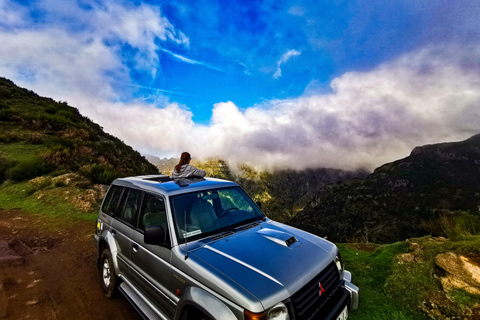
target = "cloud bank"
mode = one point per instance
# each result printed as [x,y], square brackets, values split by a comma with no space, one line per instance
[368,118]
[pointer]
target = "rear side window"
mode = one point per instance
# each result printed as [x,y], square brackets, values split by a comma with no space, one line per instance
[153,212]
[112,199]
[133,200]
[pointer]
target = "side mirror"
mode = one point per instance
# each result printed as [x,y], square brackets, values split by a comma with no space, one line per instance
[259,204]
[156,235]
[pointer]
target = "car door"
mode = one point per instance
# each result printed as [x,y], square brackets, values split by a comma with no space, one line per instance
[150,267]
[122,227]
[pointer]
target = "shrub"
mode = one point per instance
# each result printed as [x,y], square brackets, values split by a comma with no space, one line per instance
[455,225]
[6,114]
[59,157]
[35,138]
[102,174]
[26,169]
[5,165]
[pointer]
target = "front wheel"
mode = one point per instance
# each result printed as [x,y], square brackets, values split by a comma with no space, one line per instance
[108,278]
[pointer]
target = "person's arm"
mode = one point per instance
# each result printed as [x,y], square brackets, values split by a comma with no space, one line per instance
[197,172]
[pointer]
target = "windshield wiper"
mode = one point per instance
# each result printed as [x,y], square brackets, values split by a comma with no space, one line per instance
[240,224]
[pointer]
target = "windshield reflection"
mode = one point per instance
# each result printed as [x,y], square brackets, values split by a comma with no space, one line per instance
[199,214]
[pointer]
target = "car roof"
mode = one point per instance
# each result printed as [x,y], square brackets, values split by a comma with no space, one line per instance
[163,184]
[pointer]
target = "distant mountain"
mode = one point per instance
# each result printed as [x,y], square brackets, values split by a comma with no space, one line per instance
[282,192]
[415,196]
[165,165]
[41,136]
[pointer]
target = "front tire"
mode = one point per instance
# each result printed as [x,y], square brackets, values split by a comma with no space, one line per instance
[108,277]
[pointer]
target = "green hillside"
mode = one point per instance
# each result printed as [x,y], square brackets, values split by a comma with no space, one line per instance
[433,191]
[40,136]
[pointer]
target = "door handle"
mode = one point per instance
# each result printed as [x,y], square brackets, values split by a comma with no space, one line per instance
[135,247]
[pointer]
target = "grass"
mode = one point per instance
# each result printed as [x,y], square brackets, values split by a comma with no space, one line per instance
[51,203]
[394,289]
[388,289]
[463,298]
[370,271]
[22,151]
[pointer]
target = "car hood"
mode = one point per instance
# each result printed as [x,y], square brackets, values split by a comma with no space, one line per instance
[261,261]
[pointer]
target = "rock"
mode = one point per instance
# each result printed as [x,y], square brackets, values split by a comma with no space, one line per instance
[415,255]
[86,201]
[406,258]
[101,190]
[40,182]
[462,272]
[438,240]
[73,179]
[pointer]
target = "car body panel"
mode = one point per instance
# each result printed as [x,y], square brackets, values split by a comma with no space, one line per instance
[269,271]
[252,266]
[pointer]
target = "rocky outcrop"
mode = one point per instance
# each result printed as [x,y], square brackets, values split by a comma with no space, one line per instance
[86,198]
[461,272]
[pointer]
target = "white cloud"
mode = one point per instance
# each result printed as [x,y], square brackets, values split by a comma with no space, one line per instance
[370,118]
[11,14]
[285,57]
[191,61]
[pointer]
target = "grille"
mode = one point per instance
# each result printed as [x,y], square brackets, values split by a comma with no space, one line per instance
[307,301]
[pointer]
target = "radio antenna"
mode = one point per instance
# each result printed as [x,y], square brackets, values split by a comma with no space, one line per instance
[185,234]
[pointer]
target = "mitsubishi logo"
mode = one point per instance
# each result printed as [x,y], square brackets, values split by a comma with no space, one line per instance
[322,290]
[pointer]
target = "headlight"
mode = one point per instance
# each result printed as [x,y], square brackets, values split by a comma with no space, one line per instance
[278,312]
[339,263]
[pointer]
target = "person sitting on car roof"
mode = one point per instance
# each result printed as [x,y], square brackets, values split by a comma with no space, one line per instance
[184,170]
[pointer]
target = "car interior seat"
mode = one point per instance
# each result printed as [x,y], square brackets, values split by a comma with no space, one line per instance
[202,215]
[154,213]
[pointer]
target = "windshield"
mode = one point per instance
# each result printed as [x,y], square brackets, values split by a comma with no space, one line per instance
[202,213]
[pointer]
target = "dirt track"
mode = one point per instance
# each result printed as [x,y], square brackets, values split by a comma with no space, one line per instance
[52,274]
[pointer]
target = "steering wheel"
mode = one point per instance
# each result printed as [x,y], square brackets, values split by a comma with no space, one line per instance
[224,212]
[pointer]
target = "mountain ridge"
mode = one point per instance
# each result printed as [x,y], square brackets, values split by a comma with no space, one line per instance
[41,136]
[406,198]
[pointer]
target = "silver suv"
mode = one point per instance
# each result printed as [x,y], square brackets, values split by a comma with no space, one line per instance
[202,249]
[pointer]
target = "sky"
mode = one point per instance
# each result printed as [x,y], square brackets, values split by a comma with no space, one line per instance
[276,84]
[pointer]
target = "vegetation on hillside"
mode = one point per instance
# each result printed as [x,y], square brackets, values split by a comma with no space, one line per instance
[394,288]
[41,136]
[432,191]
[282,193]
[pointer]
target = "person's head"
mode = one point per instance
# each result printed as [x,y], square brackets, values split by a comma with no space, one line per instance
[184,159]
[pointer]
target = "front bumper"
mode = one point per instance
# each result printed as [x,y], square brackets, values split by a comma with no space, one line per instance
[352,289]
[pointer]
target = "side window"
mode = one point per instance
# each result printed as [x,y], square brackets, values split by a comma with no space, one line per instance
[132,204]
[112,199]
[153,212]
[231,198]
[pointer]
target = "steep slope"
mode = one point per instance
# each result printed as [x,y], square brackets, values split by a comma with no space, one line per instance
[40,136]
[415,196]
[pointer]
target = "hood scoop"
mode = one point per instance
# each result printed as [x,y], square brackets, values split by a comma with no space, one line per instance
[279,237]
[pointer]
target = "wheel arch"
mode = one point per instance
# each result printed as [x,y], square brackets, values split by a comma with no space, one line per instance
[212,307]
[107,241]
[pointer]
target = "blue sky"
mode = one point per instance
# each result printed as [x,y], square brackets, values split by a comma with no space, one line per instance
[273,83]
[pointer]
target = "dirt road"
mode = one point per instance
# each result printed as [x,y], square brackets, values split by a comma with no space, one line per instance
[48,271]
